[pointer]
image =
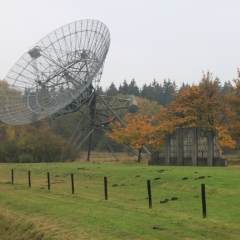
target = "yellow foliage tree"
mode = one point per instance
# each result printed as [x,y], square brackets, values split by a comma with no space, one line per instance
[204,106]
[149,108]
[234,99]
[138,132]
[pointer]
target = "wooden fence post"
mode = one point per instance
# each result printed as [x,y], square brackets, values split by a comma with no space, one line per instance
[149,193]
[105,188]
[29,178]
[48,178]
[72,183]
[204,208]
[12,176]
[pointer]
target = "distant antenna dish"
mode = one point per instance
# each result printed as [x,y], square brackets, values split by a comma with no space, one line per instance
[55,76]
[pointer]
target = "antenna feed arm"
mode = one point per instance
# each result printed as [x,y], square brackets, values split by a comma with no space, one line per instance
[133,105]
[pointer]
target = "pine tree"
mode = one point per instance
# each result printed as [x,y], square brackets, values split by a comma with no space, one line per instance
[133,88]
[112,90]
[125,88]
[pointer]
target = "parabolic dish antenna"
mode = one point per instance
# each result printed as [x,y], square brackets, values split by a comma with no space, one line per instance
[55,76]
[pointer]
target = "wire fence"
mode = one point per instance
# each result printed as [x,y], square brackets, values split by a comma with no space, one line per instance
[105,189]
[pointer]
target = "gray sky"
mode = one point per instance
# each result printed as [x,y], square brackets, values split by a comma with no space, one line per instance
[161,39]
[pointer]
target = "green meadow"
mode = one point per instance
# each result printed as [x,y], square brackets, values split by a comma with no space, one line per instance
[38,213]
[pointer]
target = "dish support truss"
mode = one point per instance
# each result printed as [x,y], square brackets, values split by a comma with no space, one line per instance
[98,112]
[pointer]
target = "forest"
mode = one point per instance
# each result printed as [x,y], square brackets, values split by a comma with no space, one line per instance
[163,107]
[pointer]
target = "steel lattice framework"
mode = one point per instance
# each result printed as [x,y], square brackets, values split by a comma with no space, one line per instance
[55,76]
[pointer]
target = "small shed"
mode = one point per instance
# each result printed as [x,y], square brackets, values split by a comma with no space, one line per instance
[192,146]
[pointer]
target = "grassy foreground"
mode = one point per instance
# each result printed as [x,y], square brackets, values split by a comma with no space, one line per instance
[36,213]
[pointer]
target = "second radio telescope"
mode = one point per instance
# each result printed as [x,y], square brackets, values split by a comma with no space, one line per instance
[55,76]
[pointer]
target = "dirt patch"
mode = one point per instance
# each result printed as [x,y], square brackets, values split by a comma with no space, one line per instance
[201,177]
[234,163]
[164,201]
[82,168]
[157,228]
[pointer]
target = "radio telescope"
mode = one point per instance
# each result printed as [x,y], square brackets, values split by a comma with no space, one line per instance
[56,74]
[55,77]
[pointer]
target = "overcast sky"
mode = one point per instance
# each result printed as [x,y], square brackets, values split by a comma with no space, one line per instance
[161,39]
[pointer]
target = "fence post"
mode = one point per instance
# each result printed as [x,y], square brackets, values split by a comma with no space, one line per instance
[29,178]
[204,209]
[105,188]
[149,193]
[48,178]
[12,176]
[72,183]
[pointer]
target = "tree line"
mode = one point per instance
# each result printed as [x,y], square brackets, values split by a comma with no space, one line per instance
[162,106]
[163,93]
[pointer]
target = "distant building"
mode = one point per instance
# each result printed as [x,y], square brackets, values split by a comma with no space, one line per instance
[191,146]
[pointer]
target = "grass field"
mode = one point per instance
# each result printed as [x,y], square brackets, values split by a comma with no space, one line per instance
[37,213]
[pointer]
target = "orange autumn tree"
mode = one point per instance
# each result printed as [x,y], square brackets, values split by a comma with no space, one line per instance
[139,131]
[202,106]
[234,98]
